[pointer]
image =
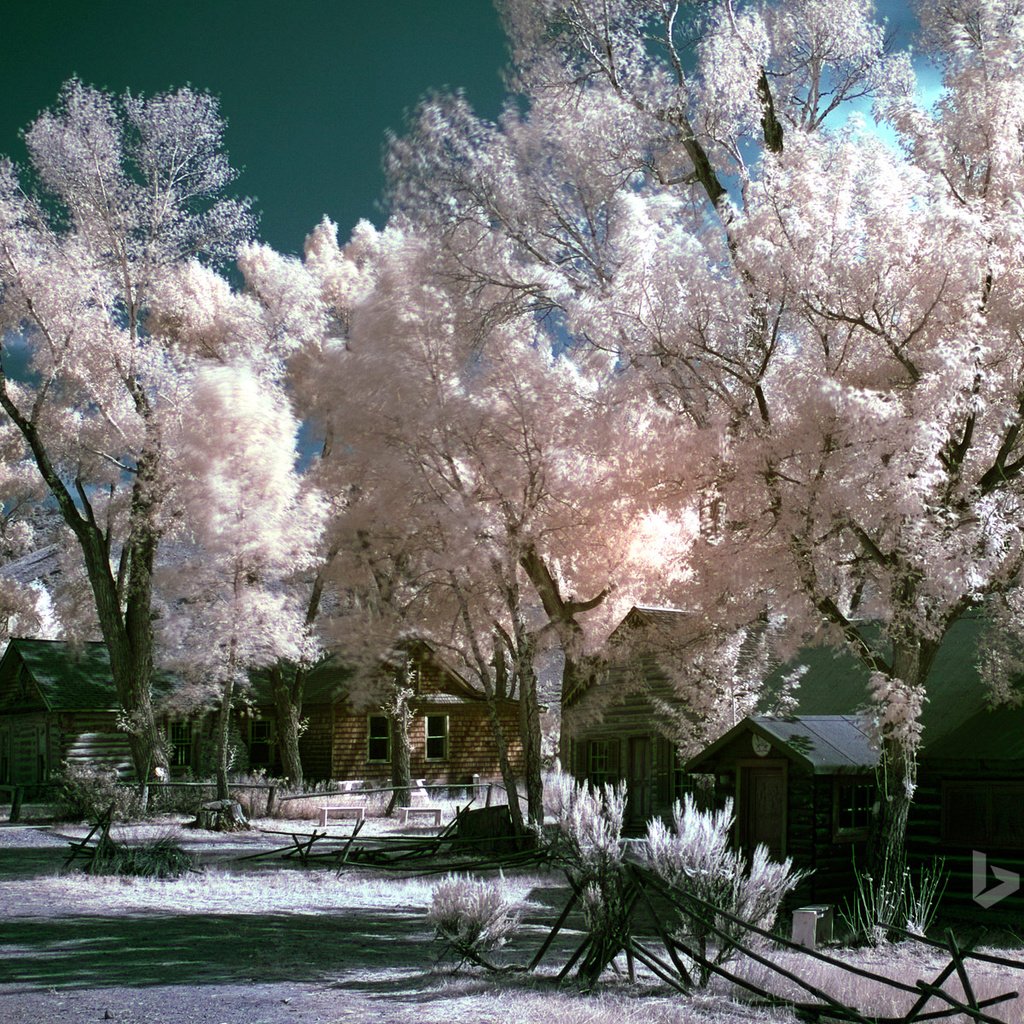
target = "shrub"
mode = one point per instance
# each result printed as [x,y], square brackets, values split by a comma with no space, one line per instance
[694,858]
[163,857]
[472,917]
[86,792]
[588,845]
[876,905]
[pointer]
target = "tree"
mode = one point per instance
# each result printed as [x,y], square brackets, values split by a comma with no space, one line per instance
[833,322]
[120,194]
[248,526]
[489,467]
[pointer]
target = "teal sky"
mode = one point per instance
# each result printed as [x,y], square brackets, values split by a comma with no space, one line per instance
[308,87]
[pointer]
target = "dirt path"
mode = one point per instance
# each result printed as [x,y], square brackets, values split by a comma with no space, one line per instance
[263,946]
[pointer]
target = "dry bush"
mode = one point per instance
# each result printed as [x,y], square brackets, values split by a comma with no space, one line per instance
[472,917]
[86,792]
[695,857]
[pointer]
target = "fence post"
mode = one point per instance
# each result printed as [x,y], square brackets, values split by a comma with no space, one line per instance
[476,785]
[271,799]
[490,787]
[16,796]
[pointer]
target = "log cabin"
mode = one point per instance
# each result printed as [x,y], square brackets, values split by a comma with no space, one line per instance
[58,703]
[804,782]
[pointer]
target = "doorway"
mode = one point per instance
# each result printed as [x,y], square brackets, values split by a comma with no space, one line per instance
[638,783]
[761,816]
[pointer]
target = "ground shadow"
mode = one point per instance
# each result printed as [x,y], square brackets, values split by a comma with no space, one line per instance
[91,951]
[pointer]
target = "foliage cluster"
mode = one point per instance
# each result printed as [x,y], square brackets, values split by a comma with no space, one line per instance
[472,917]
[878,904]
[162,857]
[695,858]
[86,792]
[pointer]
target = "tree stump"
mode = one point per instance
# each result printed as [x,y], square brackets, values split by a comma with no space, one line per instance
[221,816]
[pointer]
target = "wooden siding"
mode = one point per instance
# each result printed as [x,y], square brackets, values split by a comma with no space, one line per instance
[925,841]
[92,737]
[334,744]
[316,742]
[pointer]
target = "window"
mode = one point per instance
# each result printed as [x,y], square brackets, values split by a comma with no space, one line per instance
[437,737]
[261,742]
[986,815]
[853,805]
[599,762]
[179,740]
[681,783]
[378,738]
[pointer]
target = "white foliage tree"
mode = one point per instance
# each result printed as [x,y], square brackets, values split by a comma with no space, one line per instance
[119,195]
[248,526]
[835,324]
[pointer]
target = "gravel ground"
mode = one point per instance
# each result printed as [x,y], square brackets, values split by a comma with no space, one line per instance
[263,945]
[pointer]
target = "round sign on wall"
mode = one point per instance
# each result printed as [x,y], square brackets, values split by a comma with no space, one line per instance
[761,746]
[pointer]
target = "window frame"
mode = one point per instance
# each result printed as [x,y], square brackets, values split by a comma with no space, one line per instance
[183,744]
[370,738]
[599,762]
[862,785]
[428,736]
[269,741]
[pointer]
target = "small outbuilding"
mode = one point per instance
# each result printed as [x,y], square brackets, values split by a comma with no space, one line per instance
[804,786]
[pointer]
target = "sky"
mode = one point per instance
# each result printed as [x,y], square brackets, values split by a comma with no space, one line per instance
[309,87]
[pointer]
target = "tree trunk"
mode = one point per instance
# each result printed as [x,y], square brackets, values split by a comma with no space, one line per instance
[508,777]
[887,856]
[288,714]
[530,733]
[223,737]
[400,718]
[128,635]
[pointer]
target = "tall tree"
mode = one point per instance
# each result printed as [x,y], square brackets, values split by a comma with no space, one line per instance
[247,525]
[832,322]
[487,461]
[120,194]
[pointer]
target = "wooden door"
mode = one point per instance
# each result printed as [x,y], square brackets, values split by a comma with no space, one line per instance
[638,782]
[761,816]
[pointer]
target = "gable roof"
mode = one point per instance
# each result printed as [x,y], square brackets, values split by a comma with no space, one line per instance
[64,677]
[822,744]
[836,683]
[328,681]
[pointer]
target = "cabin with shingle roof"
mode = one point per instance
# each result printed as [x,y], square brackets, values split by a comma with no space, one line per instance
[804,783]
[451,735]
[57,703]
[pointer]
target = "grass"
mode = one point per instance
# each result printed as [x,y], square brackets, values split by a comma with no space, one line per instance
[905,962]
[360,947]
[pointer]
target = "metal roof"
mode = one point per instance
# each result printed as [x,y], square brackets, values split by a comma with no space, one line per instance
[823,744]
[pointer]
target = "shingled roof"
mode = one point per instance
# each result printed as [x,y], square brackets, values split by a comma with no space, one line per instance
[823,744]
[64,677]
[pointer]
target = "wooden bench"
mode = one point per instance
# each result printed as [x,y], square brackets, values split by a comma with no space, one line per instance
[420,812]
[358,813]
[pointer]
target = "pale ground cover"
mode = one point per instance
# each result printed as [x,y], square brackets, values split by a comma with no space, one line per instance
[259,943]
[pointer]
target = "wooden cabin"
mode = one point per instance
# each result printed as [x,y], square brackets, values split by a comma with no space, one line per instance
[804,782]
[628,723]
[57,703]
[451,736]
[804,786]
